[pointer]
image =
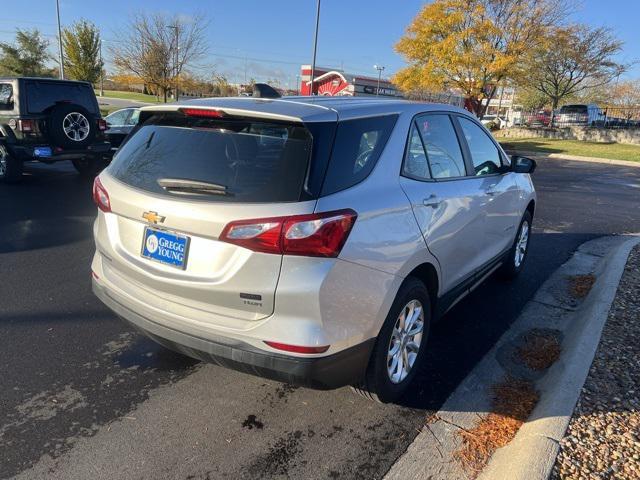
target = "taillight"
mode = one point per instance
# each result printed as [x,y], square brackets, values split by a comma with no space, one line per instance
[100,196]
[102,124]
[26,126]
[311,235]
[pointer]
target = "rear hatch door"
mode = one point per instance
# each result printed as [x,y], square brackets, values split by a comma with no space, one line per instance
[175,184]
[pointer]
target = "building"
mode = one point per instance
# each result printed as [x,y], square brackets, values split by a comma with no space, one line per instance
[335,82]
[502,102]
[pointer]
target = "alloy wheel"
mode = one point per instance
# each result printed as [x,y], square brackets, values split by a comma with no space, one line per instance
[76,126]
[3,161]
[405,341]
[521,244]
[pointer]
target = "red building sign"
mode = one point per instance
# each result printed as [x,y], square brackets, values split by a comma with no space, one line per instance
[335,82]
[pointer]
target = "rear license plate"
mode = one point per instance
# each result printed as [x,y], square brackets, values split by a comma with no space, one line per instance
[42,152]
[165,247]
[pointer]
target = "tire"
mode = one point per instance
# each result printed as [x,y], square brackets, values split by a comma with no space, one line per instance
[71,126]
[377,384]
[513,265]
[10,167]
[89,167]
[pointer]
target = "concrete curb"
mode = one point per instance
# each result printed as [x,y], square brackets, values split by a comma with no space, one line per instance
[532,453]
[576,158]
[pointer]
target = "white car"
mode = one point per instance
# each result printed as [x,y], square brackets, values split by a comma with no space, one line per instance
[312,240]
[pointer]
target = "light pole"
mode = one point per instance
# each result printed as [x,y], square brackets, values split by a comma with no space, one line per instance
[101,72]
[177,51]
[315,48]
[60,40]
[380,68]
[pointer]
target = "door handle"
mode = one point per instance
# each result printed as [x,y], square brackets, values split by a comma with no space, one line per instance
[492,190]
[431,201]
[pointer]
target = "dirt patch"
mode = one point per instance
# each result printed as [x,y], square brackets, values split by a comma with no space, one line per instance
[513,401]
[580,285]
[252,422]
[539,350]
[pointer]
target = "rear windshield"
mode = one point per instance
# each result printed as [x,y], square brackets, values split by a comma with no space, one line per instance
[42,95]
[574,109]
[232,160]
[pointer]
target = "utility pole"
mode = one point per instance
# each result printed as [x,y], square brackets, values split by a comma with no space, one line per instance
[60,41]
[101,72]
[380,69]
[315,48]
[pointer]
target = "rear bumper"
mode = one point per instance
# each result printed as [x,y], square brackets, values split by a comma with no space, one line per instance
[26,152]
[333,371]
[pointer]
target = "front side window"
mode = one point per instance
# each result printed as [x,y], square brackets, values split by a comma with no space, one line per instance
[441,144]
[484,153]
[356,149]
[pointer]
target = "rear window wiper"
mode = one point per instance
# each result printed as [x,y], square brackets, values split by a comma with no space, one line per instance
[192,187]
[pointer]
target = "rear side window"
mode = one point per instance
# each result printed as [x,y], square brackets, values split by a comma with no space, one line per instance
[43,95]
[356,149]
[441,144]
[226,160]
[6,96]
[415,162]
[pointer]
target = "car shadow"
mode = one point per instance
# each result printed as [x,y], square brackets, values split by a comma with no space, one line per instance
[51,206]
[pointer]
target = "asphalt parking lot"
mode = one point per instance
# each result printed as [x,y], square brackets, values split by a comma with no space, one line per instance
[85,395]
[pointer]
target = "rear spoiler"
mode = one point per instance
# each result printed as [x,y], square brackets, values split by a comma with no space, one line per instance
[146,112]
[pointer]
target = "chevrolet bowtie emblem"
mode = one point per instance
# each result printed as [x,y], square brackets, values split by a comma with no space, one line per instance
[153,217]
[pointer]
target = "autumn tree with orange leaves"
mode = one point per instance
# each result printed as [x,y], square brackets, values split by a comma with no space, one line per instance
[473,45]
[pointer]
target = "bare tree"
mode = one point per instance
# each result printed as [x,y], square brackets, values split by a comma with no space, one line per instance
[158,48]
[626,94]
[574,59]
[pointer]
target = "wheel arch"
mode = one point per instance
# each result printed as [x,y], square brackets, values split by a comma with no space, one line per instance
[428,274]
[531,207]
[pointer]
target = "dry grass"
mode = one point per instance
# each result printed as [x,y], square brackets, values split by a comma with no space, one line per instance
[513,402]
[539,350]
[580,285]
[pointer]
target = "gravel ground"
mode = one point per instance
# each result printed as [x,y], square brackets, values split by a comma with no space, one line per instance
[603,439]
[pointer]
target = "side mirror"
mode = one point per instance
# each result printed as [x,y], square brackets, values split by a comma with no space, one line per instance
[522,164]
[6,104]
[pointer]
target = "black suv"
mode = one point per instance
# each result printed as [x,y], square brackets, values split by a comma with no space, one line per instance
[50,120]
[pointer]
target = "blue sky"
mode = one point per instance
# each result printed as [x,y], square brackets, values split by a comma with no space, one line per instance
[273,38]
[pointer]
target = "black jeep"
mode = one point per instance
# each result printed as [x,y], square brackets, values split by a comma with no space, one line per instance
[50,120]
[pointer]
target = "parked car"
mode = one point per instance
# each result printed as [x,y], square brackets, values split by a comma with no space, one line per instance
[576,115]
[309,240]
[50,120]
[494,122]
[119,125]
[541,118]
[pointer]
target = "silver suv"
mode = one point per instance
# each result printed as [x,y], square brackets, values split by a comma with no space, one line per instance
[308,240]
